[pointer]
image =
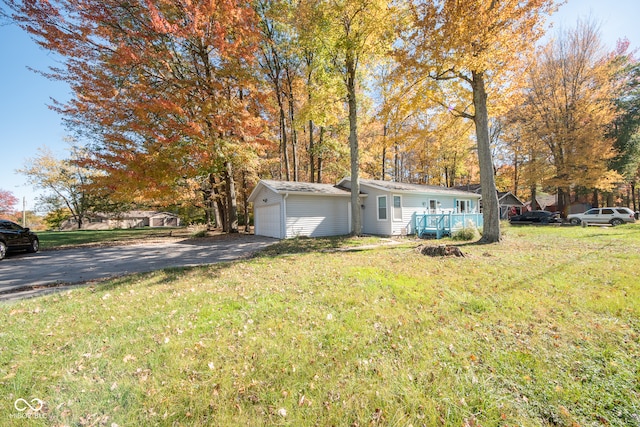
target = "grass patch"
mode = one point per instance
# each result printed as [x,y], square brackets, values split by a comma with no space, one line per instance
[539,330]
[57,239]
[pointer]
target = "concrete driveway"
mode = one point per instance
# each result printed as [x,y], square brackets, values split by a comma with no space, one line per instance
[24,275]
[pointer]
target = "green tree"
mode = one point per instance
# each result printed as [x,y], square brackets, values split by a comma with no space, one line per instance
[54,218]
[625,129]
[64,182]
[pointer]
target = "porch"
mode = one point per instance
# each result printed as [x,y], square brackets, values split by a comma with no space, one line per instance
[444,224]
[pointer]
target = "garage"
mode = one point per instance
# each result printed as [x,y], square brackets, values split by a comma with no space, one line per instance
[266,221]
[289,209]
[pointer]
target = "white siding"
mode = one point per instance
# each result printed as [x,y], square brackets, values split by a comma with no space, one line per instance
[370,222]
[267,221]
[267,214]
[411,204]
[316,216]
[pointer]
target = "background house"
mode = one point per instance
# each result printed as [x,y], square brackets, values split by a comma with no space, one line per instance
[509,203]
[130,219]
[288,209]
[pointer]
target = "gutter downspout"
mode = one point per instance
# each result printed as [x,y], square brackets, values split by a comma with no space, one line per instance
[284,219]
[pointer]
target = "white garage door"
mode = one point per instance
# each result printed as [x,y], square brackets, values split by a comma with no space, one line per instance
[267,221]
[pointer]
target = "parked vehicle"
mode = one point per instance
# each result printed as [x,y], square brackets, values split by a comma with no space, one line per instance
[536,217]
[13,237]
[613,216]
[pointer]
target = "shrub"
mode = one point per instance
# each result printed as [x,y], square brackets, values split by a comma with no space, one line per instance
[465,234]
[197,231]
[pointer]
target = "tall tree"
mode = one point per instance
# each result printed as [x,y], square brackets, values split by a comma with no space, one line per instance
[355,32]
[476,46]
[625,129]
[165,88]
[569,106]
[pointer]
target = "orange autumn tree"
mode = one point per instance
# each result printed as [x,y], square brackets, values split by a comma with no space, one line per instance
[476,47]
[163,89]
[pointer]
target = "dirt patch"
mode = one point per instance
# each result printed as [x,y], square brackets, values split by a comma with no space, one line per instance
[440,250]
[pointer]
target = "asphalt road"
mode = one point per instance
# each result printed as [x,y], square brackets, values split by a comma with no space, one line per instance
[25,275]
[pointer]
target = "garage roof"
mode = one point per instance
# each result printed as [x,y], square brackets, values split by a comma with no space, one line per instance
[308,188]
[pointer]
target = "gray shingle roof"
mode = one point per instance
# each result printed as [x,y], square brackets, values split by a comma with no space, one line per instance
[414,188]
[304,187]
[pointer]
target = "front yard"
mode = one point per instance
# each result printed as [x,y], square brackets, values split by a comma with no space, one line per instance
[539,330]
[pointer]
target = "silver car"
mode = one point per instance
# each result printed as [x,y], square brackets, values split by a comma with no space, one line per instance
[613,216]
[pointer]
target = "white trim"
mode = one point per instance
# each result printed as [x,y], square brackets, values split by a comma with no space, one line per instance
[283,220]
[386,208]
[393,208]
[467,203]
[434,209]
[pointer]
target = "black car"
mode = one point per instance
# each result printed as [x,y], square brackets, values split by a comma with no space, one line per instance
[13,238]
[536,217]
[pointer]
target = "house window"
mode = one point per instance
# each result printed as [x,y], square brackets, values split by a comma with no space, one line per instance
[397,208]
[433,206]
[382,208]
[463,206]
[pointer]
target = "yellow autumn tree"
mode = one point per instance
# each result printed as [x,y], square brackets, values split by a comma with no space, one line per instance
[355,33]
[476,47]
[568,108]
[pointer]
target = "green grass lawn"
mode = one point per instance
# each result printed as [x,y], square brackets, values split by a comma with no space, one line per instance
[58,239]
[539,330]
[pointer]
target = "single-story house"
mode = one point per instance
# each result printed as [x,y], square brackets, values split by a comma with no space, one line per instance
[130,219]
[288,209]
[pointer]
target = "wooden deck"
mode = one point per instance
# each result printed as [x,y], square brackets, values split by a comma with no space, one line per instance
[445,224]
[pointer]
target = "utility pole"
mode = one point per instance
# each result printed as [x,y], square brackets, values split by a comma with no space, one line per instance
[24,211]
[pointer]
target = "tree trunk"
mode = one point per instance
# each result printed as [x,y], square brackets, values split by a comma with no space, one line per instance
[356,225]
[232,207]
[312,158]
[294,134]
[284,153]
[207,199]
[490,207]
[534,202]
[516,177]
[245,202]
[396,163]
[563,201]
[610,200]
[384,150]
[218,204]
[320,141]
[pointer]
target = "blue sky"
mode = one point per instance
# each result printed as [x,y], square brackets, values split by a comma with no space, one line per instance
[27,123]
